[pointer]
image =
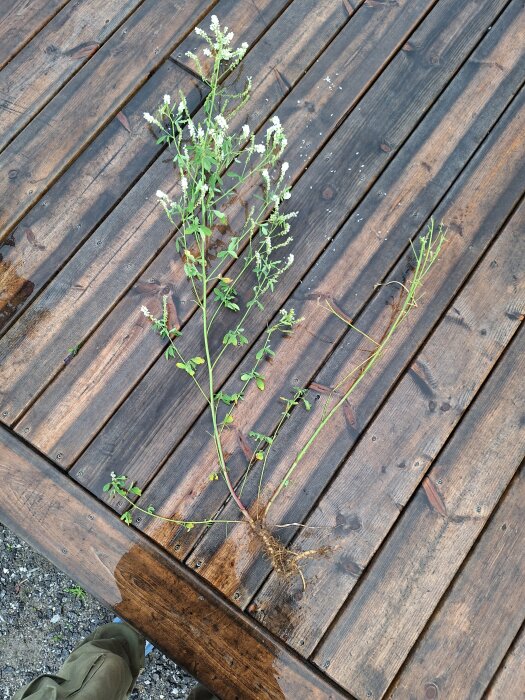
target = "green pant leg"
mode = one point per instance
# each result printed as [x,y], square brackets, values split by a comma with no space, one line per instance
[104,666]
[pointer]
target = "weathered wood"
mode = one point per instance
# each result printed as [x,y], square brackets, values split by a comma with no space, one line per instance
[22,21]
[99,399]
[215,554]
[76,204]
[381,473]
[39,155]
[137,454]
[42,67]
[470,632]
[295,362]
[26,267]
[509,681]
[181,615]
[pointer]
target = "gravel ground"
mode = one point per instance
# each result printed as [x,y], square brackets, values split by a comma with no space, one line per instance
[41,621]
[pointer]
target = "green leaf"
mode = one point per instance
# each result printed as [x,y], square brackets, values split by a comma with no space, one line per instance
[222,217]
[136,490]
[127,517]
[228,419]
[198,360]
[205,230]
[106,487]
[260,383]
[246,377]
[259,455]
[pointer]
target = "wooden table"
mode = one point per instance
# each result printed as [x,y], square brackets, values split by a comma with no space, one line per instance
[395,112]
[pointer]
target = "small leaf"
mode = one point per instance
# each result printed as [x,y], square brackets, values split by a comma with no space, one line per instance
[106,487]
[260,383]
[126,517]
[84,50]
[198,360]
[124,121]
[259,455]
[246,377]
[136,490]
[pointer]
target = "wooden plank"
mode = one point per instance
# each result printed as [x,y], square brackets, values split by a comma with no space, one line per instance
[216,552]
[21,21]
[75,205]
[469,634]
[44,65]
[150,218]
[119,445]
[123,246]
[183,483]
[26,266]
[295,365]
[394,453]
[39,155]
[200,630]
[509,681]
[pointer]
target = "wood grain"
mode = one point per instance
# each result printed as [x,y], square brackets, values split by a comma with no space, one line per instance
[77,203]
[21,21]
[178,613]
[295,361]
[118,444]
[128,364]
[379,476]
[39,155]
[468,636]
[510,679]
[55,54]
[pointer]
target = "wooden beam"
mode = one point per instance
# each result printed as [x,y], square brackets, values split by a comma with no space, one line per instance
[199,629]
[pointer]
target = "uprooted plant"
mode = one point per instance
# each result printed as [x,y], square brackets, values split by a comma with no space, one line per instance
[218,169]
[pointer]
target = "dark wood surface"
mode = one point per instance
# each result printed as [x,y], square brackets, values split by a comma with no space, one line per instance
[395,112]
[194,624]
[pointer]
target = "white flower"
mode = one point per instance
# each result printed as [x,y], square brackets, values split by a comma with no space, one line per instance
[182,105]
[259,148]
[184,183]
[228,38]
[148,117]
[221,121]
[206,51]
[204,189]
[290,260]
[214,23]
[284,168]
[275,120]
[286,195]
[145,311]
[161,195]
[257,258]
[191,128]
[113,475]
[268,242]
[200,32]
[167,99]
[200,132]
[244,46]
[246,131]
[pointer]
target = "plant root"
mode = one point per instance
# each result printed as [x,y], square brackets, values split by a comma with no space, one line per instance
[285,561]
